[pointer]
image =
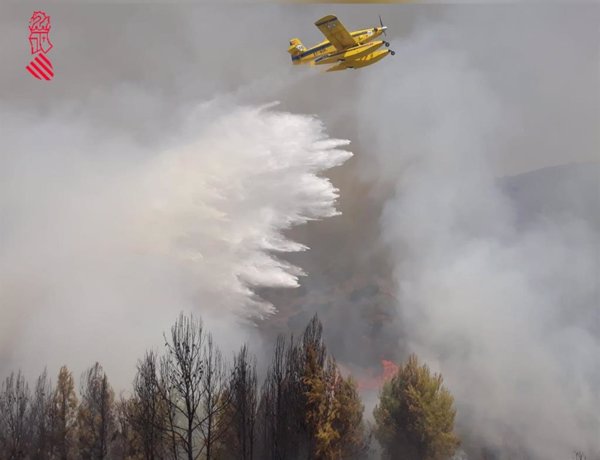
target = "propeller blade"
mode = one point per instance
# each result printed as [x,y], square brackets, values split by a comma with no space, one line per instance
[382,26]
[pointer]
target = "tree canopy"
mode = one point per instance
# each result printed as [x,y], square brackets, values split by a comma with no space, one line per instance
[415,415]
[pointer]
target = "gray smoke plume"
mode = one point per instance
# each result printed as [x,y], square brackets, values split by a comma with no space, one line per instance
[504,305]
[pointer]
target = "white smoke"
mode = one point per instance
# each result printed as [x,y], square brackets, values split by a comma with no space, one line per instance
[504,311]
[104,242]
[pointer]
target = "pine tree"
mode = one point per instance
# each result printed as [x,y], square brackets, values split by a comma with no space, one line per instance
[182,372]
[14,413]
[415,415]
[63,415]
[215,399]
[307,408]
[241,413]
[348,423]
[146,411]
[334,411]
[96,416]
[40,419]
[321,407]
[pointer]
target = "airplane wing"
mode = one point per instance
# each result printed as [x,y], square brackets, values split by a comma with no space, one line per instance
[335,32]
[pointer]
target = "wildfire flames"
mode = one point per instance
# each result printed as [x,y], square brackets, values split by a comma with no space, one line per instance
[375,382]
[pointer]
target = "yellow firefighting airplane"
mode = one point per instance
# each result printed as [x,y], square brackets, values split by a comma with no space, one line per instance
[350,50]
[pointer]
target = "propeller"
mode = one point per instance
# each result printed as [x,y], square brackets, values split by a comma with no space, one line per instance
[382,26]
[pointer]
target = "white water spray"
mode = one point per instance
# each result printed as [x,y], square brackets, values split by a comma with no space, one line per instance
[104,242]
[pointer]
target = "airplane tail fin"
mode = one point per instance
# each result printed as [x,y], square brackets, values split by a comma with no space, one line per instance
[296,47]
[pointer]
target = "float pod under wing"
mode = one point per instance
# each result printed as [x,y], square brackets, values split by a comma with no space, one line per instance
[362,61]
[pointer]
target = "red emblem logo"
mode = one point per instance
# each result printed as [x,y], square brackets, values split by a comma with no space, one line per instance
[39,40]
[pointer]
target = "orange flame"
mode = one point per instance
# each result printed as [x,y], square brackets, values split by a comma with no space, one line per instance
[375,382]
